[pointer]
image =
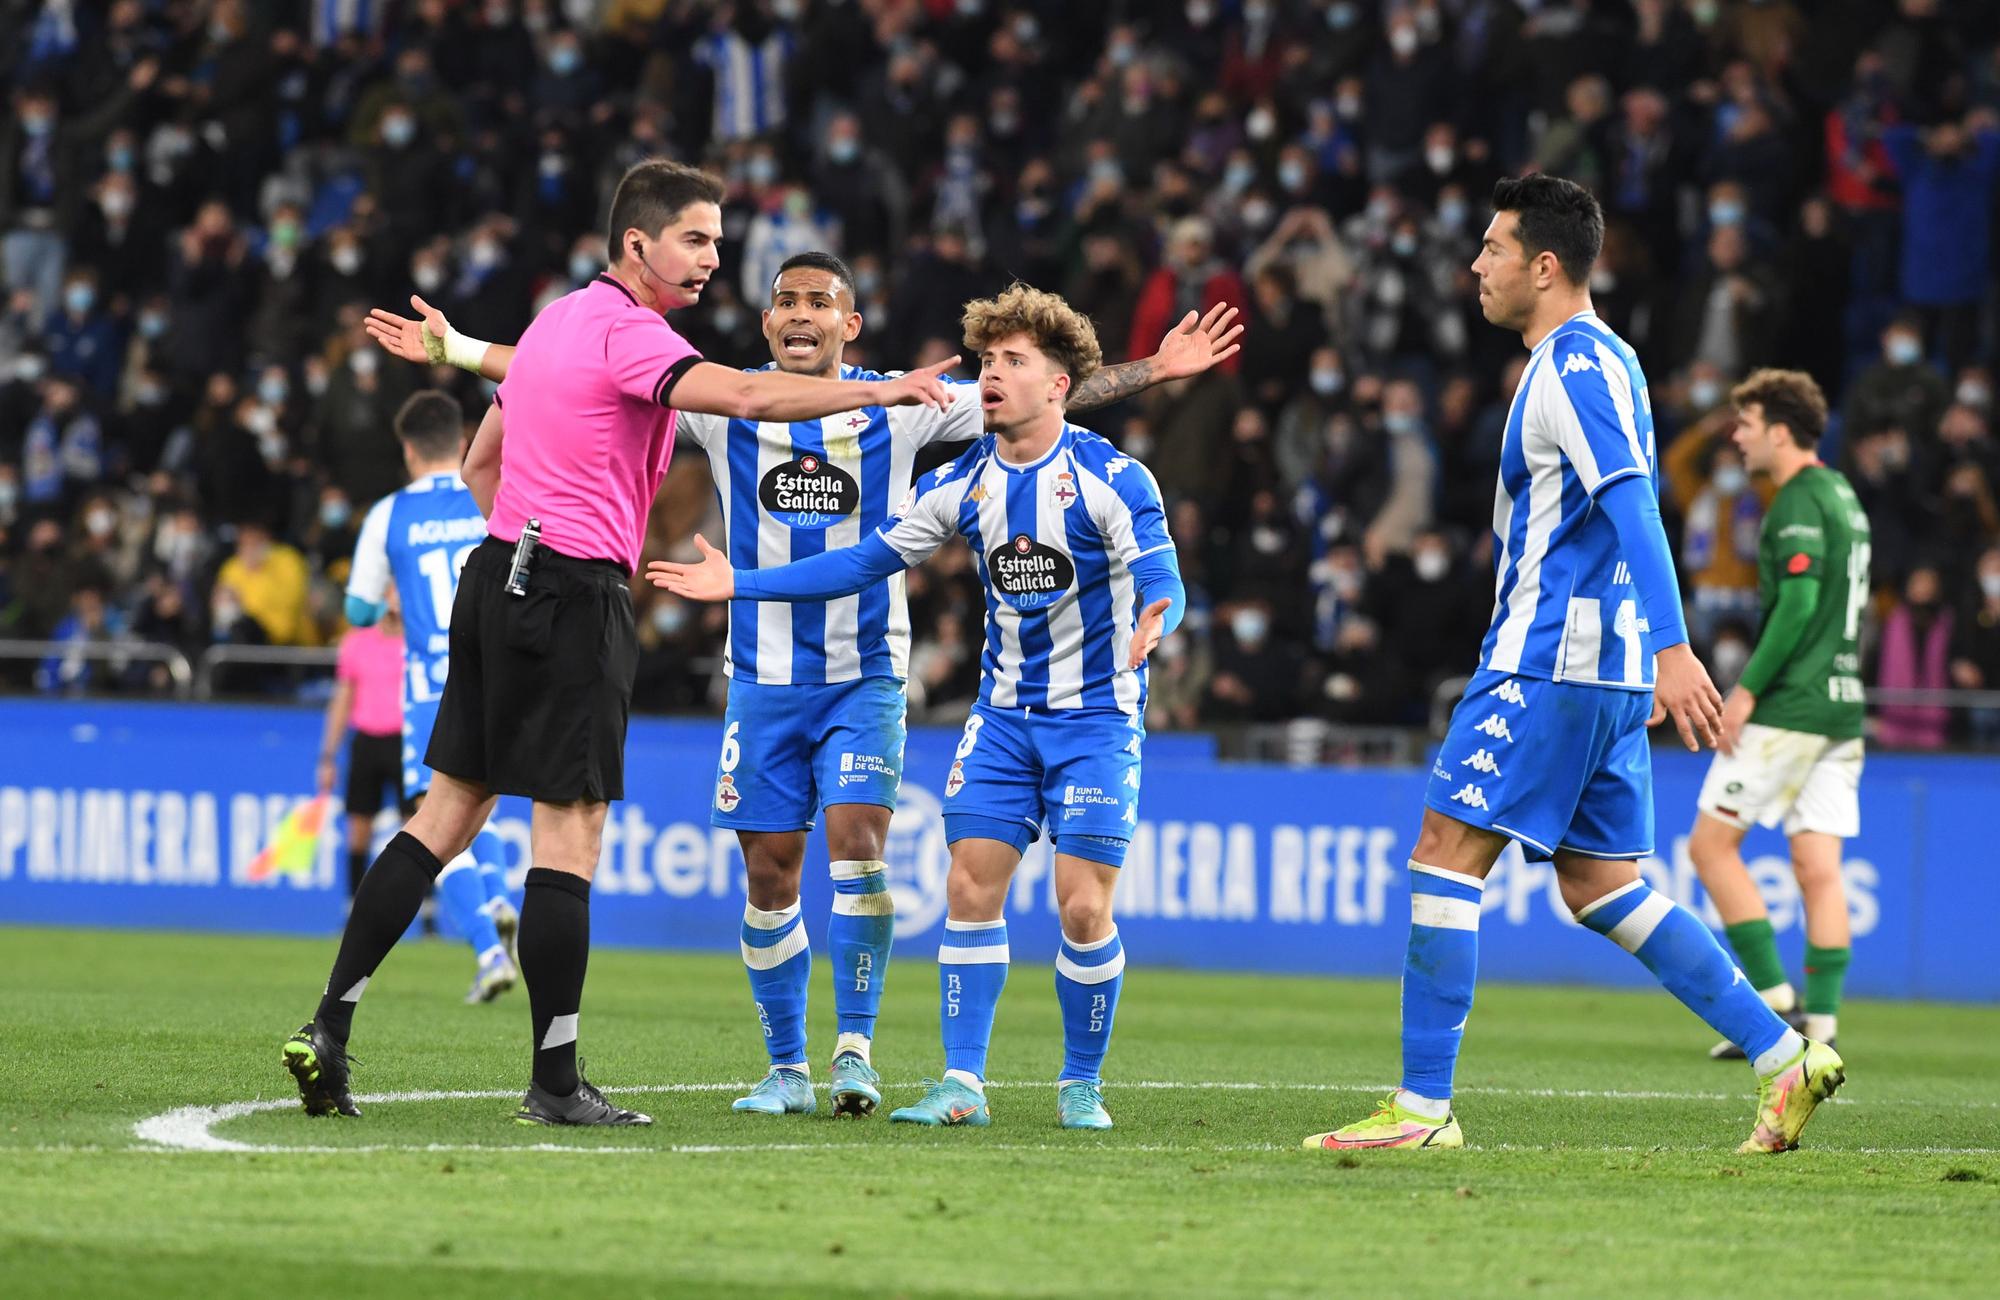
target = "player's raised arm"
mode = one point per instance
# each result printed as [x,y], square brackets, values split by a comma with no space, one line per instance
[920,525]
[1189,348]
[779,395]
[430,340]
[825,576]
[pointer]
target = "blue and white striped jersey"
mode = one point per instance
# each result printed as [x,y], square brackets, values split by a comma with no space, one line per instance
[791,491]
[1564,606]
[1055,543]
[419,537]
[749,81]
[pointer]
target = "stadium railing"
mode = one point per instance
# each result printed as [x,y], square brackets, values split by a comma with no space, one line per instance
[265,656]
[118,654]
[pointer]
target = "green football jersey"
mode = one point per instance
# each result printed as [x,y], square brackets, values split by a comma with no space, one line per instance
[1816,526]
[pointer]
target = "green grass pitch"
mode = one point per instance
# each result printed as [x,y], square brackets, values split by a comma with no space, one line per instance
[1602,1155]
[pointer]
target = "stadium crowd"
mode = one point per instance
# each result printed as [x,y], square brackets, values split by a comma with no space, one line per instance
[199,199]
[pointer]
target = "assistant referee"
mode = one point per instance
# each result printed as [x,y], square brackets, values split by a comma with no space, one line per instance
[543,647]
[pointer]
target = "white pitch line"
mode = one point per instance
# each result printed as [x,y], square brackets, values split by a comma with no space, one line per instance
[190,1128]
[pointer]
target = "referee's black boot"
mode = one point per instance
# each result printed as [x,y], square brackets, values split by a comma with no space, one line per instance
[584,1106]
[319,1066]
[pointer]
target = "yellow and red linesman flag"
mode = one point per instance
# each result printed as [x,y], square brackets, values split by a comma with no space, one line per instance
[292,849]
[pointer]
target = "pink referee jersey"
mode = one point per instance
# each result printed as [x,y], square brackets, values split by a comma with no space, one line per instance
[589,433]
[373,661]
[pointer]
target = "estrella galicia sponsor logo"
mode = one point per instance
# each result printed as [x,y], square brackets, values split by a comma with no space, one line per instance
[1029,574]
[810,492]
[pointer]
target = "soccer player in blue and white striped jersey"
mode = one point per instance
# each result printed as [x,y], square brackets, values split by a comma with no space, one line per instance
[418,538]
[1071,543]
[1587,647]
[815,713]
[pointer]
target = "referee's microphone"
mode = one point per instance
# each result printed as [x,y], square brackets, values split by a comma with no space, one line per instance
[683,284]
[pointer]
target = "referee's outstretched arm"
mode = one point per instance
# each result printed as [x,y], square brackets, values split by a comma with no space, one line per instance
[778,395]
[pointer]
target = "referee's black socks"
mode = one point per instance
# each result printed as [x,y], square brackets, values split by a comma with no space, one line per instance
[391,893]
[554,946]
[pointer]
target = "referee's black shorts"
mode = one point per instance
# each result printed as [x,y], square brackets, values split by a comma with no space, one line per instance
[540,687]
[375,770]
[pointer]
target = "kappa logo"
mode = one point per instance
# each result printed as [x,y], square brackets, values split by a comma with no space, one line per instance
[1472,797]
[1496,727]
[1577,361]
[1509,692]
[1116,466]
[1481,761]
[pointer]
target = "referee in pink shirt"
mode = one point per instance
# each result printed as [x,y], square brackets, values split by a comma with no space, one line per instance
[543,647]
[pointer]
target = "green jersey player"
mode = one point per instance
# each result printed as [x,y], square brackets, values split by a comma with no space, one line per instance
[1791,749]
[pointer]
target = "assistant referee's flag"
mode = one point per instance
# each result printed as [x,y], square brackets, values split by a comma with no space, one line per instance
[296,843]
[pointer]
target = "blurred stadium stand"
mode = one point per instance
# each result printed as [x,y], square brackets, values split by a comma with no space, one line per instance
[200,198]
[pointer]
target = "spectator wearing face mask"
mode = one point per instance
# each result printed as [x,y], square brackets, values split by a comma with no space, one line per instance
[1438,617]
[42,178]
[1975,648]
[860,189]
[1948,175]
[1298,441]
[117,237]
[1189,278]
[284,287]
[83,338]
[788,224]
[1412,475]
[1404,83]
[1729,654]
[1257,676]
[208,286]
[668,640]
[1732,311]
[1900,389]
[746,56]
[90,619]
[267,581]
[1721,513]
[1280,340]
[1914,654]
[356,446]
[100,545]
[63,450]
[1305,243]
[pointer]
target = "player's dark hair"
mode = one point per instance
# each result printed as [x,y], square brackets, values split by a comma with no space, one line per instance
[1554,216]
[1788,397]
[431,424]
[652,194]
[814,260]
